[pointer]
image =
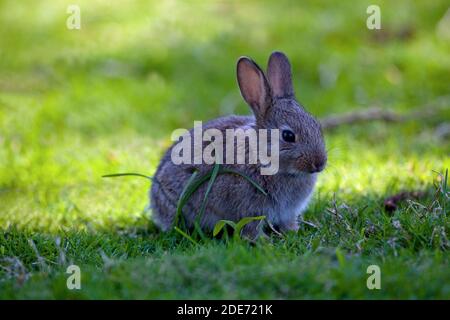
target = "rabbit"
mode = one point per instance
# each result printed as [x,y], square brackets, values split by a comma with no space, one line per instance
[302,155]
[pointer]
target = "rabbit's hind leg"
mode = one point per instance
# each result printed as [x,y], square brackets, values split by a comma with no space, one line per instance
[163,207]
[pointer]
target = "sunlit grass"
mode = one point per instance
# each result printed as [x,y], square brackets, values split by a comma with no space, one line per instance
[75,105]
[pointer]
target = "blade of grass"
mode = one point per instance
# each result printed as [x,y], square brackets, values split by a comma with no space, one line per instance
[184,234]
[218,227]
[221,224]
[212,179]
[184,197]
[191,186]
[113,175]
[198,230]
[244,221]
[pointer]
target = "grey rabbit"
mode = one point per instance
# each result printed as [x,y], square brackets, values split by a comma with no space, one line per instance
[302,155]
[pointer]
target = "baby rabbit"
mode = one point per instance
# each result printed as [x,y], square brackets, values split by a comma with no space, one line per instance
[302,155]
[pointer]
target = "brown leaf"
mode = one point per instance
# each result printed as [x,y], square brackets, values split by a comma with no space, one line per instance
[391,204]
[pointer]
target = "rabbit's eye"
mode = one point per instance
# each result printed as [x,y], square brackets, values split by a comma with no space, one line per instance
[288,136]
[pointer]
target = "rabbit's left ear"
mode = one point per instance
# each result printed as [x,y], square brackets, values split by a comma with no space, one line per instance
[254,86]
[280,75]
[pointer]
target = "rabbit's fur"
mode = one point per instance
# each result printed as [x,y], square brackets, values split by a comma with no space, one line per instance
[232,197]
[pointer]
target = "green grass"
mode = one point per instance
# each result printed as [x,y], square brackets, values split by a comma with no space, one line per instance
[75,105]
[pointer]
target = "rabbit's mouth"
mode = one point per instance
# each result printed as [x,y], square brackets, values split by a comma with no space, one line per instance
[309,167]
[317,167]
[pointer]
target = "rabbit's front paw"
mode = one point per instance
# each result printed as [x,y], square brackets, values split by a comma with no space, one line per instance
[252,230]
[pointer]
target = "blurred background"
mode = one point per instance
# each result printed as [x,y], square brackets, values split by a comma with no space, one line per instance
[78,104]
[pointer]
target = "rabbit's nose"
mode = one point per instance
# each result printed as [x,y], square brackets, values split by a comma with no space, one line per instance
[318,165]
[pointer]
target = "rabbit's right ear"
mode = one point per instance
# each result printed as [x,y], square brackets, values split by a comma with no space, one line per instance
[280,75]
[254,86]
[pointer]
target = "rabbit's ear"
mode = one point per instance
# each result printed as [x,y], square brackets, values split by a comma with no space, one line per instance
[254,86]
[280,75]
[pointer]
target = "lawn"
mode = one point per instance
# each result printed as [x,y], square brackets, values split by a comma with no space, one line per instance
[78,104]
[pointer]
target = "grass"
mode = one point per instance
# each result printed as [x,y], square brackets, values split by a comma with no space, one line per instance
[76,105]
